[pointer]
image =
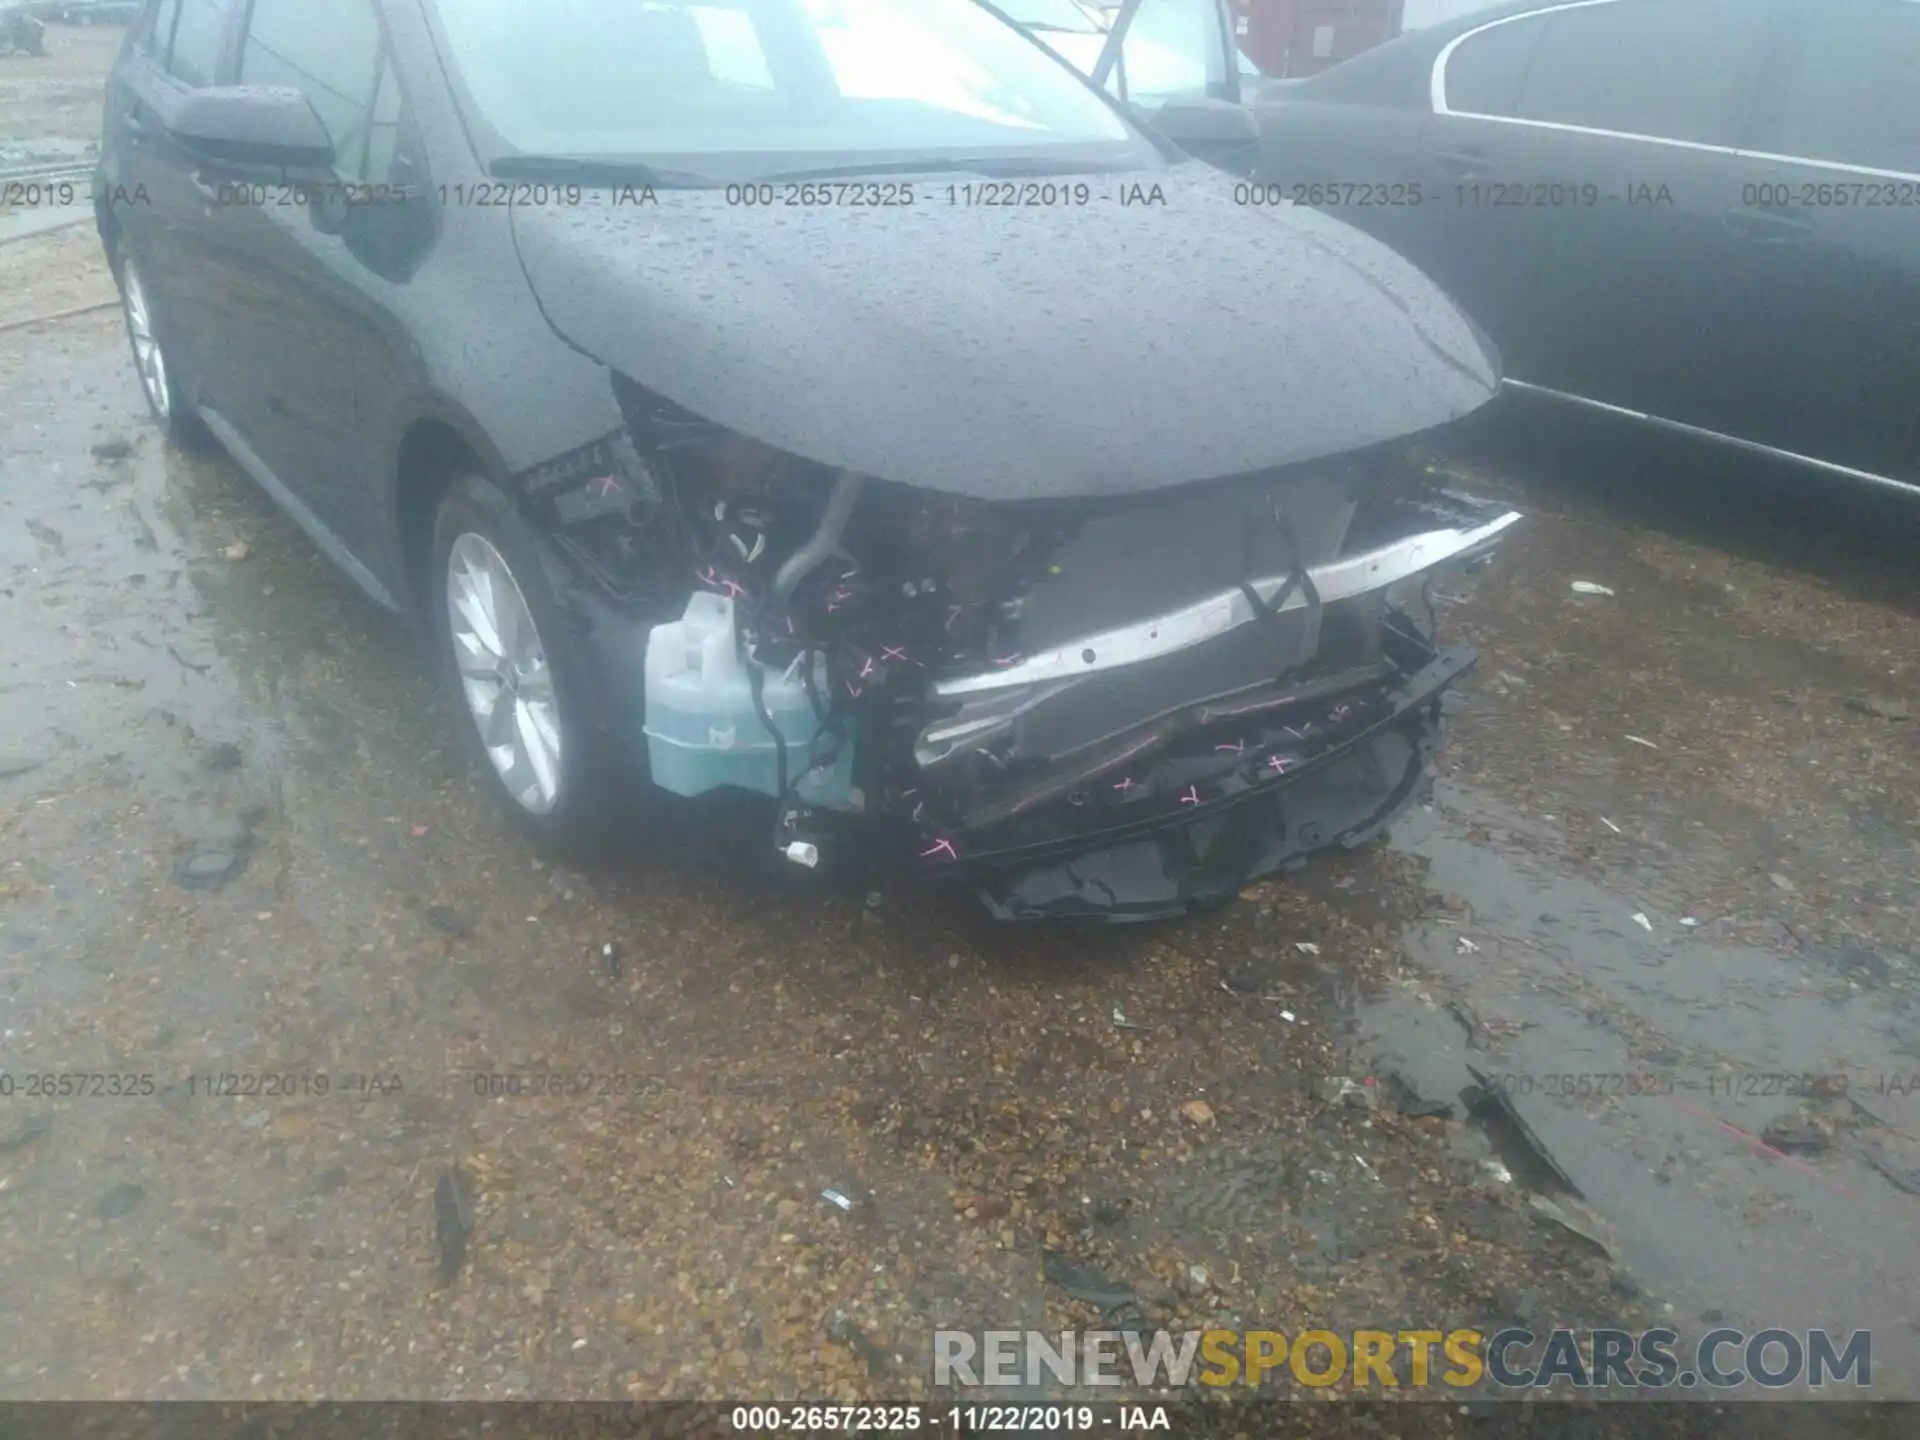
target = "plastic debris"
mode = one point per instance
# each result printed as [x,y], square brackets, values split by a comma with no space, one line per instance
[1467,947]
[1638,741]
[1563,1217]
[610,958]
[1688,921]
[1587,587]
[1343,1090]
[1610,825]
[1306,947]
[207,868]
[453,1220]
[1640,919]
[837,1200]
[1489,1103]
[1197,1112]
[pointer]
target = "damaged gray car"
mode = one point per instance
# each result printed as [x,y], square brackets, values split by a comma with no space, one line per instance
[835,401]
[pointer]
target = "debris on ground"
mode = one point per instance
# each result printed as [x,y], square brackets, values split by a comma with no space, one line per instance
[1197,1112]
[453,1220]
[120,1200]
[34,1127]
[112,450]
[1879,707]
[1563,1216]
[12,765]
[1084,1283]
[1587,587]
[1344,1090]
[206,868]
[841,1327]
[449,921]
[1408,1100]
[1794,1134]
[1638,740]
[239,550]
[1490,1104]
[1640,919]
[610,958]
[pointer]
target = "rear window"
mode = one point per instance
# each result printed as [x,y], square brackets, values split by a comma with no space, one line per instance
[1853,93]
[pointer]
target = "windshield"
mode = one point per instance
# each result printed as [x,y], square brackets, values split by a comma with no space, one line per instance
[769,80]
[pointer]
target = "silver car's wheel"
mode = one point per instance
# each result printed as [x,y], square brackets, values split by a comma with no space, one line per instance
[504,672]
[147,355]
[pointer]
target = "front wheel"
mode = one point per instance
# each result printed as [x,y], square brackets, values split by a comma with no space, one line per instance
[159,381]
[513,661]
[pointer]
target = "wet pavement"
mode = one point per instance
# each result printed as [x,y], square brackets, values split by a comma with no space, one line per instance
[1669,871]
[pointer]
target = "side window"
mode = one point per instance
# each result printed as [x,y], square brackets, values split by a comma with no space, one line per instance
[1484,75]
[331,54]
[195,56]
[1643,67]
[1173,47]
[1854,96]
[383,134]
[157,37]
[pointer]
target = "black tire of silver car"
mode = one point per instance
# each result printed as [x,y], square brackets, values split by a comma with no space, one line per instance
[514,664]
[158,377]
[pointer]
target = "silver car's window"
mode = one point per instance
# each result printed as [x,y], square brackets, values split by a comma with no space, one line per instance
[1484,75]
[774,77]
[1854,94]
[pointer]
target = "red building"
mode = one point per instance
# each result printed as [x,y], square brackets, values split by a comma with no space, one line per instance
[1303,37]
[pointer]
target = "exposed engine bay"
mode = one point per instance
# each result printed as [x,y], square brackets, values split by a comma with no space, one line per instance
[1118,708]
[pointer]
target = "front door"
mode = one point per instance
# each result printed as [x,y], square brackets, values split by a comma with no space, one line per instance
[305,318]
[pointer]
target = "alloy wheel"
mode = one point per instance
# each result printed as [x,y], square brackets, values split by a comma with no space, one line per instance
[147,355]
[504,673]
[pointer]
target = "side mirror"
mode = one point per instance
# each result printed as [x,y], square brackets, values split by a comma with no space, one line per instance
[1204,121]
[267,127]
[1219,132]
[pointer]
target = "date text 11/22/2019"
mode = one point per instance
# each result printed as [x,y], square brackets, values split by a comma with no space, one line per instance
[959,1419]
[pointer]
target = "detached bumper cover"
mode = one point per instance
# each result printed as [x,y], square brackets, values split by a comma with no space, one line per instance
[1214,819]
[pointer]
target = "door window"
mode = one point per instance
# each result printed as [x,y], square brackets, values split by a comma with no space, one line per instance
[331,54]
[1853,95]
[1642,67]
[157,35]
[197,35]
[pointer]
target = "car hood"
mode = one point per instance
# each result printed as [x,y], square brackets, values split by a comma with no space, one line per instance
[1014,351]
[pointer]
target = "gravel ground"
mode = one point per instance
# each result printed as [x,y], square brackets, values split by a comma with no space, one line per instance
[1676,833]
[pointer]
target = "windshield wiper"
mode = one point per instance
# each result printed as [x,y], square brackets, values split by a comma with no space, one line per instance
[993,168]
[594,170]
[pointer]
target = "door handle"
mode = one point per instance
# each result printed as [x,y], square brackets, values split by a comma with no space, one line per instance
[1768,227]
[1464,162]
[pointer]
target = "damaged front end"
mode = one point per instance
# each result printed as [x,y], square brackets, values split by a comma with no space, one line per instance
[1116,708]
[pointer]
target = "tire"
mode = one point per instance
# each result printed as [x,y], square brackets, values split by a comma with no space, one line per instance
[159,378]
[556,766]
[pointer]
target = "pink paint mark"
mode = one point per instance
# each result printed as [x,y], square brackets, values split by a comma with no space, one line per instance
[1239,747]
[866,669]
[1278,764]
[1007,660]
[894,652]
[713,577]
[854,690]
[1340,712]
[918,806]
[954,612]
[1293,732]
[1192,797]
[1076,799]
[1125,785]
[939,846]
[789,625]
[603,485]
[1765,1149]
